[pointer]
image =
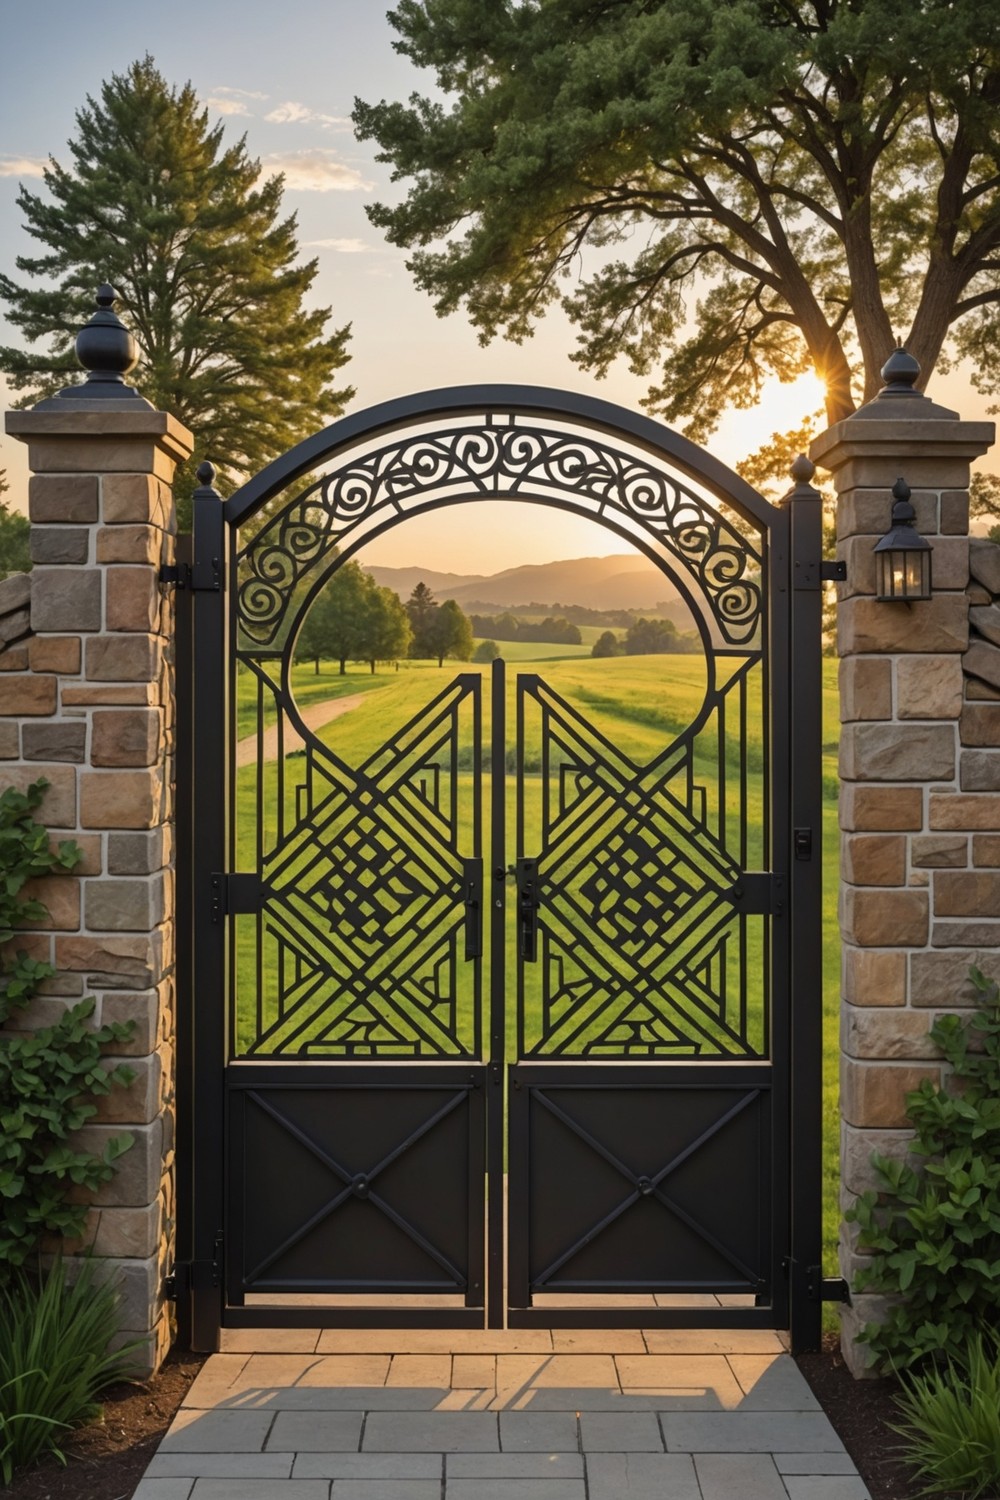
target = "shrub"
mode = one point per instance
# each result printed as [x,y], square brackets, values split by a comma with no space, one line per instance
[935,1230]
[54,1360]
[951,1426]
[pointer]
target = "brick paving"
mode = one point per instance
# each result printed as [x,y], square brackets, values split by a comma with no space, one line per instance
[533,1415]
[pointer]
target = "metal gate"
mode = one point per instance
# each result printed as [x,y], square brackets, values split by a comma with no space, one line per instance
[494,1022]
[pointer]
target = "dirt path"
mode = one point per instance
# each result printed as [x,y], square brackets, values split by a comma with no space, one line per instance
[314,717]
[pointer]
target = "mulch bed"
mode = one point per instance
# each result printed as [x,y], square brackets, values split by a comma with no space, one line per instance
[106,1461]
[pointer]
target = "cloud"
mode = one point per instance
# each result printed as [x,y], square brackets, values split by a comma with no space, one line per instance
[227,101]
[294,113]
[22,166]
[315,172]
[343,247]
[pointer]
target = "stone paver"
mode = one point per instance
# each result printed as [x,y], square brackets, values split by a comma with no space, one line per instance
[738,1476]
[571,1414]
[642,1476]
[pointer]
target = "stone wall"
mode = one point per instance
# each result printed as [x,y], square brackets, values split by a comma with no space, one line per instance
[86,701]
[920,777]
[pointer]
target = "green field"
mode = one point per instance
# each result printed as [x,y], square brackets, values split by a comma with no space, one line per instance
[637,704]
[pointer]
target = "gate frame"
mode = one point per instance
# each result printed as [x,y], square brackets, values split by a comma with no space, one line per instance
[794,550]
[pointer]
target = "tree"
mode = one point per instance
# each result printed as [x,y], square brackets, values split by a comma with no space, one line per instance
[451,633]
[607,644]
[486,651]
[651,638]
[820,175]
[385,625]
[336,625]
[15,535]
[420,609]
[191,237]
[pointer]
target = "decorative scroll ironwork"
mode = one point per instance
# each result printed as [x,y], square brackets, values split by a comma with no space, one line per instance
[482,459]
[363,949]
[646,947]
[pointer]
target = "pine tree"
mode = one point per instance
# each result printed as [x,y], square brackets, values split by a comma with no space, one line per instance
[191,237]
[15,532]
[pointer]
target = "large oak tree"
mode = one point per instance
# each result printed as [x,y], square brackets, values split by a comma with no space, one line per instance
[753,187]
[191,236]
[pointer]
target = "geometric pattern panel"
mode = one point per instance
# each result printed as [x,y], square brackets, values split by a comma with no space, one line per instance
[362,934]
[645,949]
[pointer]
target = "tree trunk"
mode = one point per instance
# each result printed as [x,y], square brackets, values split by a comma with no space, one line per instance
[343,666]
[316,666]
[373,668]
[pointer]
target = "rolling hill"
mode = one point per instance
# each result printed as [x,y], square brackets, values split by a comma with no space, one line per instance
[622,581]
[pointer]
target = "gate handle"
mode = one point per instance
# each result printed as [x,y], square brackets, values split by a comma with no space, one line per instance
[472,895]
[526,871]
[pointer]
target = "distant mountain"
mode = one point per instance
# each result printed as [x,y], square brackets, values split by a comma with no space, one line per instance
[617,582]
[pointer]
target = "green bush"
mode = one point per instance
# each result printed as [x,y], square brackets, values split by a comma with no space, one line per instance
[49,1077]
[951,1422]
[935,1231]
[54,1360]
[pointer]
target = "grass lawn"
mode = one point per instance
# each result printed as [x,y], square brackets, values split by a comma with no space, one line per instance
[638,704]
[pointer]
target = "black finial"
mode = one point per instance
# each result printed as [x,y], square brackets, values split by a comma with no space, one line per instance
[903,513]
[206,474]
[106,350]
[802,469]
[900,373]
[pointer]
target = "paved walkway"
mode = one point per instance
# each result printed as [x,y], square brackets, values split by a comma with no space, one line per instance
[566,1415]
[315,717]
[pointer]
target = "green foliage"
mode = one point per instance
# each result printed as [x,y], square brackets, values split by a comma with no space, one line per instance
[353,619]
[799,181]
[934,1230]
[54,1360]
[438,630]
[15,533]
[607,644]
[189,234]
[555,629]
[486,651]
[951,1422]
[48,1077]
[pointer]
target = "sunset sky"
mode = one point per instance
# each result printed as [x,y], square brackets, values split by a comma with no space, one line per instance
[286,75]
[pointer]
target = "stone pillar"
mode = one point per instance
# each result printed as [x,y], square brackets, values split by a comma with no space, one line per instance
[87,701]
[915,903]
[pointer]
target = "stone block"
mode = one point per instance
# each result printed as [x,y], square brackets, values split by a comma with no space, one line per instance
[887,809]
[897,752]
[55,653]
[954,512]
[138,1171]
[127,1233]
[121,799]
[58,809]
[980,724]
[872,976]
[66,599]
[139,1284]
[984,620]
[873,858]
[123,905]
[937,851]
[130,544]
[929,687]
[138,853]
[126,737]
[975,811]
[976,594]
[60,895]
[950,562]
[873,1094]
[865,688]
[884,918]
[13,626]
[62,498]
[967,933]
[91,861]
[137,498]
[112,694]
[13,659]
[942,979]
[124,658]
[858,1146]
[60,544]
[984,563]
[143,1009]
[895,1033]
[929,625]
[15,592]
[138,1102]
[977,691]
[62,740]
[966,893]
[986,850]
[124,963]
[982,660]
[865,1308]
[133,599]
[979,770]
[27,695]
[858,554]
[10,739]
[865,512]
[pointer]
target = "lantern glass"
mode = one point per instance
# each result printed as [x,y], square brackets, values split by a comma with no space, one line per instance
[904,573]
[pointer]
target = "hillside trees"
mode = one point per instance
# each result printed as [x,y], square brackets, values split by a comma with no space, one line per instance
[439,630]
[804,181]
[207,271]
[353,619]
[15,532]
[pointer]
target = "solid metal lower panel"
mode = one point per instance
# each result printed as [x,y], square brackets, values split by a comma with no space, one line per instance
[641,1317]
[351,1317]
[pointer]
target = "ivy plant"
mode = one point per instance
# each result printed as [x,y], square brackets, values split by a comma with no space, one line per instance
[934,1227]
[50,1077]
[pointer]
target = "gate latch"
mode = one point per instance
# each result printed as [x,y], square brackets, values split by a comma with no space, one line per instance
[526,871]
[472,897]
[820,1288]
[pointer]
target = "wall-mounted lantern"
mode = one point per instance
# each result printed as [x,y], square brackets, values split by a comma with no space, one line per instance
[903,556]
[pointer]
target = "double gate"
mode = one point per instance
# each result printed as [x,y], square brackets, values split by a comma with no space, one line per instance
[497,1019]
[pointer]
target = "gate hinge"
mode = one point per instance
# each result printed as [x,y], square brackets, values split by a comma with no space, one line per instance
[186,1273]
[236,894]
[820,1288]
[759,892]
[833,572]
[809,575]
[198,577]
